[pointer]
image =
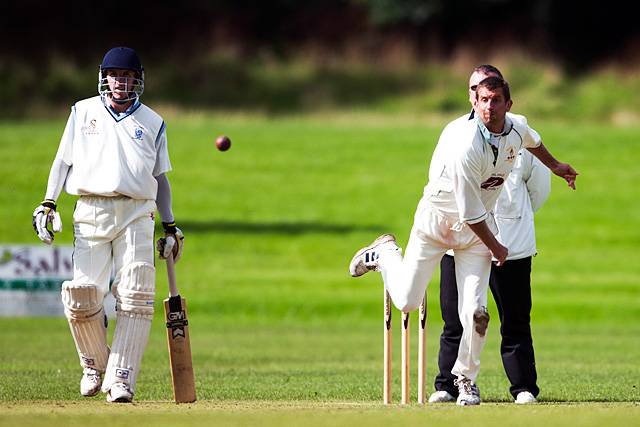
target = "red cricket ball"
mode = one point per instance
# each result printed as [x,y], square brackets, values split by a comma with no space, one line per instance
[223,143]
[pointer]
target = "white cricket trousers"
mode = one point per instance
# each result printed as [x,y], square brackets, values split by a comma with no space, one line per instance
[110,231]
[407,278]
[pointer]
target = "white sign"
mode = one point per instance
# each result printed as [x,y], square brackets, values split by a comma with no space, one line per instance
[31,277]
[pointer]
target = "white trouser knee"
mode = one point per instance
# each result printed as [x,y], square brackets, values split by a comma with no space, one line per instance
[406,278]
[84,311]
[134,292]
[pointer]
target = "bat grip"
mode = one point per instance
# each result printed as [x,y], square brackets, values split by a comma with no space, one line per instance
[171,274]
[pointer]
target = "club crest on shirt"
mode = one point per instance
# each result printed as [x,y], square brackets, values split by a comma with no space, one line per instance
[91,128]
[137,133]
[492,183]
[511,155]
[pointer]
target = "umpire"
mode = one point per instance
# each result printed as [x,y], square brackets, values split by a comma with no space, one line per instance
[524,192]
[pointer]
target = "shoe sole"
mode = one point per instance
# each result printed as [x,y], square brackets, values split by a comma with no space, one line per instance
[439,398]
[119,399]
[443,400]
[465,403]
[95,393]
[385,238]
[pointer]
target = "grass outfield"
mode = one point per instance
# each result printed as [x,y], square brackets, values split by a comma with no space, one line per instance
[72,414]
[280,329]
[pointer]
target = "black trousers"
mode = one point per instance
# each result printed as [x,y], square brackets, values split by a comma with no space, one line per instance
[511,288]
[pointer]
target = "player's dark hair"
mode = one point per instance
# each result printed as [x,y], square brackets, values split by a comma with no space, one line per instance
[488,69]
[493,83]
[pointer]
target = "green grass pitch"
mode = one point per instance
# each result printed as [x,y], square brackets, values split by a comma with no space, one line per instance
[281,335]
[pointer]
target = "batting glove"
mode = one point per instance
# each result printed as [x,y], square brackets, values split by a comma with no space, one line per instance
[173,241]
[44,215]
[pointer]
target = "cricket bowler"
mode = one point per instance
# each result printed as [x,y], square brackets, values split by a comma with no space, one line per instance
[470,164]
[523,193]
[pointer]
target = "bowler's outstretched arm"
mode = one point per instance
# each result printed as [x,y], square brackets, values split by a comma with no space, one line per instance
[563,170]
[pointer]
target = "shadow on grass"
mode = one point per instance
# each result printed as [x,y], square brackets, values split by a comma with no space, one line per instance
[286,228]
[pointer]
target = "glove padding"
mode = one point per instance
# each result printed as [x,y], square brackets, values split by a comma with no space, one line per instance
[44,215]
[173,241]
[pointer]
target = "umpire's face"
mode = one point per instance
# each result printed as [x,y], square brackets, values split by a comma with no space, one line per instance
[492,106]
[477,77]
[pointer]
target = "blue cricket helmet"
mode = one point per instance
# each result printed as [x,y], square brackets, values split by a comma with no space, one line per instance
[123,58]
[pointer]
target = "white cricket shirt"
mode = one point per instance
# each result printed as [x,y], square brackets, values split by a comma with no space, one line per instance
[113,154]
[525,191]
[465,176]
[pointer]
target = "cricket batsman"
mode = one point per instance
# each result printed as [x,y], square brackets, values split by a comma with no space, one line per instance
[113,155]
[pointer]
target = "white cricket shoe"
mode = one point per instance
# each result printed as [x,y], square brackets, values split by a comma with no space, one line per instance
[469,392]
[366,259]
[525,398]
[90,382]
[119,393]
[441,396]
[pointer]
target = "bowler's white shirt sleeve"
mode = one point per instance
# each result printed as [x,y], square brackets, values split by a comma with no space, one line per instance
[530,138]
[444,145]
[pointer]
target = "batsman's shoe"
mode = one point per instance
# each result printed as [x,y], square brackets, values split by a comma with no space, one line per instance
[366,259]
[119,393]
[90,382]
[469,394]
[441,396]
[525,398]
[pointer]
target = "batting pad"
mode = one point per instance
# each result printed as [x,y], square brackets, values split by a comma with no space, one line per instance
[134,292]
[85,314]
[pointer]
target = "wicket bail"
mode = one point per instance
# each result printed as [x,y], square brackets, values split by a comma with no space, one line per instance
[406,389]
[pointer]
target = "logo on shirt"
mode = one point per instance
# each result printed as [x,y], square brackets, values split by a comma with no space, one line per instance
[138,132]
[511,155]
[492,183]
[91,128]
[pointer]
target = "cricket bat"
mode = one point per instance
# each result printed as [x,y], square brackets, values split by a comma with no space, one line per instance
[175,311]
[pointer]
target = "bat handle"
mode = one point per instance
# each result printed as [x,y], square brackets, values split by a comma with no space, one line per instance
[171,274]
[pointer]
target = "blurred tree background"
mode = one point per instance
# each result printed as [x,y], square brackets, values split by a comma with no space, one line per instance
[286,56]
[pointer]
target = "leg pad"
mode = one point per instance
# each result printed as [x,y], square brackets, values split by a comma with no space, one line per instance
[87,321]
[134,292]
